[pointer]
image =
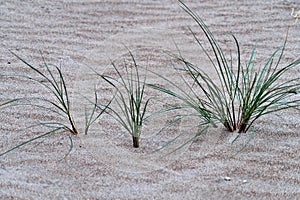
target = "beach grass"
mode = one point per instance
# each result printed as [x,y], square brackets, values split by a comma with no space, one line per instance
[49,77]
[130,105]
[240,94]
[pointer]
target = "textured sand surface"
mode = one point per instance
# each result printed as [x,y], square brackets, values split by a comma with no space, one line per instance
[102,164]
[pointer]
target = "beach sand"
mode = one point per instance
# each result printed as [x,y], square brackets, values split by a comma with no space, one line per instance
[85,35]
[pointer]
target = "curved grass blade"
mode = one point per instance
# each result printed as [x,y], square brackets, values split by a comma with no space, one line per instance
[31,140]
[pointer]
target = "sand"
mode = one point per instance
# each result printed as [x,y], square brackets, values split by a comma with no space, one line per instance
[80,35]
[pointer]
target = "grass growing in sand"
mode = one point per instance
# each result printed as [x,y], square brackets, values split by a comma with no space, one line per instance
[7,102]
[241,94]
[51,78]
[130,105]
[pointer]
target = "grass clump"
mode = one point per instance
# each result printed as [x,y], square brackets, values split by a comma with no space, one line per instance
[130,106]
[240,94]
[51,78]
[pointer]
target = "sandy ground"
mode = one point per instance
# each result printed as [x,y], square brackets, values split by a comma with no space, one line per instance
[102,164]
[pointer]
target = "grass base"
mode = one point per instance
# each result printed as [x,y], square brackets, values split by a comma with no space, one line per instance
[136,142]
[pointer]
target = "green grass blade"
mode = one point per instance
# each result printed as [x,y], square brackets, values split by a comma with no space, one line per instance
[31,140]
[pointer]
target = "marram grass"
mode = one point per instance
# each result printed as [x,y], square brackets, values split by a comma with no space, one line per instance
[130,105]
[51,78]
[241,94]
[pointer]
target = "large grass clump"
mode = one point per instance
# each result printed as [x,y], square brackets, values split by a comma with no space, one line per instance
[240,94]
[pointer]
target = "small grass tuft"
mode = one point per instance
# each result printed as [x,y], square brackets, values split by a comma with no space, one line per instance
[129,99]
[53,80]
[50,77]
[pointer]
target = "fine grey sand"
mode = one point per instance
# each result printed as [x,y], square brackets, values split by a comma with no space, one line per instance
[102,164]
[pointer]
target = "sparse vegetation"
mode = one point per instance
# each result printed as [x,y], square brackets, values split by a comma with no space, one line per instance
[130,105]
[93,116]
[241,94]
[50,77]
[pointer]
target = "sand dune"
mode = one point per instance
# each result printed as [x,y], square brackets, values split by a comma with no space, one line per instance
[102,164]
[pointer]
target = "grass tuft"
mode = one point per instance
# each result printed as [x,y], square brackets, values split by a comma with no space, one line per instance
[240,94]
[131,106]
[51,78]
